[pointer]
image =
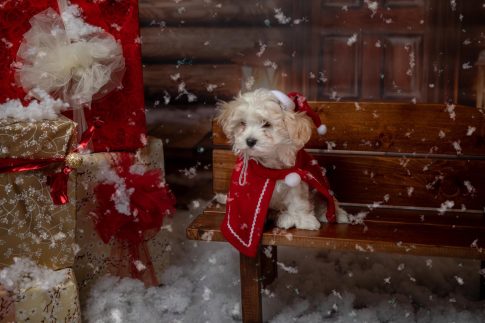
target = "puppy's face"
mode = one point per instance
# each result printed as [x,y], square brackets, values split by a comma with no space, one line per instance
[258,126]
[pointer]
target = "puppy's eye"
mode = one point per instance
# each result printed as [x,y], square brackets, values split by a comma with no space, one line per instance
[266,124]
[242,123]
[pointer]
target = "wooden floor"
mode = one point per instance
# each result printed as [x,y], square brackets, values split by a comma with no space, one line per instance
[397,233]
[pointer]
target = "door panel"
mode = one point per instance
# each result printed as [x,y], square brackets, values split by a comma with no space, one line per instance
[364,51]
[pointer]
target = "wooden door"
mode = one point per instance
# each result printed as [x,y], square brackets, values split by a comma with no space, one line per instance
[386,50]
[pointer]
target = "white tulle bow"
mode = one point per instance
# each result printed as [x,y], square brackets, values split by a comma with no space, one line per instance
[69,58]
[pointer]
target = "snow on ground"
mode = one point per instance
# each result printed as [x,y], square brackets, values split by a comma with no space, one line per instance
[202,285]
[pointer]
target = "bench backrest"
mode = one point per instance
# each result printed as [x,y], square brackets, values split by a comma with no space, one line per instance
[415,156]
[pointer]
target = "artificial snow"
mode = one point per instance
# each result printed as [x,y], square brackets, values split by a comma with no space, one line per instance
[46,108]
[351,40]
[202,285]
[24,274]
[470,130]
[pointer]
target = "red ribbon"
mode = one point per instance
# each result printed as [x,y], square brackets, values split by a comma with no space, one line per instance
[150,202]
[57,181]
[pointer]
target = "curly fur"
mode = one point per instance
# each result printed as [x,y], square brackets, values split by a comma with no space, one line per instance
[276,135]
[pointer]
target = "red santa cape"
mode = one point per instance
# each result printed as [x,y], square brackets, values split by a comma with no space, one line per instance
[247,204]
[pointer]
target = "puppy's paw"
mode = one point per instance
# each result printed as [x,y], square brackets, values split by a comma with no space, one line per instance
[308,222]
[342,215]
[220,198]
[286,220]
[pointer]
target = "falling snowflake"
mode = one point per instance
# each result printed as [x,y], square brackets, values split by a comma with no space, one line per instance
[446,206]
[280,16]
[372,5]
[139,265]
[410,190]
[470,130]
[351,40]
[262,48]
[469,187]
[450,108]
[211,87]
[456,145]
[289,269]
[459,280]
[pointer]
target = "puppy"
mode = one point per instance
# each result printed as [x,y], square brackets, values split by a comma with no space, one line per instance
[258,127]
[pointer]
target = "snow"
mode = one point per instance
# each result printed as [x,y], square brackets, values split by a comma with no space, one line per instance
[24,274]
[446,206]
[470,130]
[351,40]
[202,285]
[121,197]
[45,109]
[280,16]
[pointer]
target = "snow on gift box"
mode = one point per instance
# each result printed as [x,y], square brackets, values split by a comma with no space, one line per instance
[123,193]
[38,294]
[83,52]
[32,220]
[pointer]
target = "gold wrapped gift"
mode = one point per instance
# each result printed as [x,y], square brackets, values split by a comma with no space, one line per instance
[7,308]
[39,139]
[95,258]
[30,224]
[59,303]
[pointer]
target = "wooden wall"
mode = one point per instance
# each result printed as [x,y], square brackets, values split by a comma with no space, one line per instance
[196,52]
[472,42]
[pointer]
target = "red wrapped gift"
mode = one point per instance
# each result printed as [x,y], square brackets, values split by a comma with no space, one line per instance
[122,110]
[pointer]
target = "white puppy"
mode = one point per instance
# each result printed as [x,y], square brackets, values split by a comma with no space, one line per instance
[257,126]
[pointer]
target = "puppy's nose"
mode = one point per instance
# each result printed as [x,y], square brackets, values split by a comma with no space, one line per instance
[251,142]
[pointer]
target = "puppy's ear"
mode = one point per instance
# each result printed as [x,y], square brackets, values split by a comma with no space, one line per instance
[299,127]
[224,117]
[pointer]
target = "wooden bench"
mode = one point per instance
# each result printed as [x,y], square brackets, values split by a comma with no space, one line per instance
[416,170]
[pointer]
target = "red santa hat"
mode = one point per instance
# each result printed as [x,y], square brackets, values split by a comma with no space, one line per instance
[296,102]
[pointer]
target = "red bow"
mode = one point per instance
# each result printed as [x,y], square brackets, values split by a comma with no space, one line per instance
[150,201]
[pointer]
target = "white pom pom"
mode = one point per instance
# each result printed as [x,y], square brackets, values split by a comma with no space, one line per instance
[292,179]
[285,100]
[322,130]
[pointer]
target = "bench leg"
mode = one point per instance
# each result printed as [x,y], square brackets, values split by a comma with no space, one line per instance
[269,266]
[482,280]
[251,289]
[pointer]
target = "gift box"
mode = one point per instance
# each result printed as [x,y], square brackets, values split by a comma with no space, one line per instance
[7,308]
[96,258]
[30,223]
[35,294]
[122,109]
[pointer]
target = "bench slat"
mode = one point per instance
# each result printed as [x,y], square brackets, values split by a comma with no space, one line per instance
[456,219]
[410,238]
[396,128]
[368,179]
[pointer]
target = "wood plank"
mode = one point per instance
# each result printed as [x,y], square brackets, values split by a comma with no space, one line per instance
[180,127]
[398,20]
[404,238]
[250,270]
[269,265]
[249,45]
[418,182]
[482,280]
[227,12]
[396,128]
[198,80]
[388,214]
